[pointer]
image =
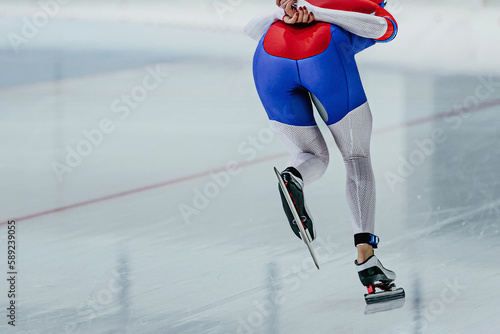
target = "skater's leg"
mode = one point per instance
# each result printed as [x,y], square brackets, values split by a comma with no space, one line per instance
[352,136]
[308,162]
[289,108]
[364,252]
[307,149]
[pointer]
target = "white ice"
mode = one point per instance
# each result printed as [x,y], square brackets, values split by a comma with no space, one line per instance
[126,244]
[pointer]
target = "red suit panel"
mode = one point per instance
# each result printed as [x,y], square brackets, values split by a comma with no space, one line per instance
[297,41]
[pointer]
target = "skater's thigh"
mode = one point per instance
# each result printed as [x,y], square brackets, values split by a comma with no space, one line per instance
[301,139]
[352,134]
[278,85]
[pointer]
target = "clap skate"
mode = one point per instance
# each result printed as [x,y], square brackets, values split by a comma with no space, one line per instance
[294,186]
[379,281]
[292,195]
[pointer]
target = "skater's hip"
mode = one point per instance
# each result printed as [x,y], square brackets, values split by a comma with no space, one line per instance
[284,84]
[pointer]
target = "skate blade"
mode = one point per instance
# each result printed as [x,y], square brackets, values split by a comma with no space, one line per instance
[305,237]
[384,306]
[385,296]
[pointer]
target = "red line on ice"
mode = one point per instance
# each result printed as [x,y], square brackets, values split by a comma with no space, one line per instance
[414,122]
[142,189]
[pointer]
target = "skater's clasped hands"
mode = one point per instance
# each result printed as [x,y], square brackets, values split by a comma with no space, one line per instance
[293,14]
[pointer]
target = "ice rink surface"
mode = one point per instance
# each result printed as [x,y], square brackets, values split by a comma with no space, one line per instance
[159,213]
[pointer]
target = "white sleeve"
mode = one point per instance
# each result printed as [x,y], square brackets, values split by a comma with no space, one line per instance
[364,25]
[258,26]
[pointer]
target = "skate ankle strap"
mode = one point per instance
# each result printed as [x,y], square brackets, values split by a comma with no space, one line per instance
[366,238]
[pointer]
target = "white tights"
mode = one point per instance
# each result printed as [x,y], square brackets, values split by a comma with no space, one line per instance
[309,155]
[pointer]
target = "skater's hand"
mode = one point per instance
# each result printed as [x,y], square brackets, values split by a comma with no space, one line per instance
[294,15]
[302,15]
[288,6]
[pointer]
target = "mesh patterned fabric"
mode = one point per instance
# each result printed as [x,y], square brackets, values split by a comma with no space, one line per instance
[352,135]
[307,148]
[309,155]
[369,26]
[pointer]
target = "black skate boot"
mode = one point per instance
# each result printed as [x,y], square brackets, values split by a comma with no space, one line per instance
[374,275]
[294,184]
